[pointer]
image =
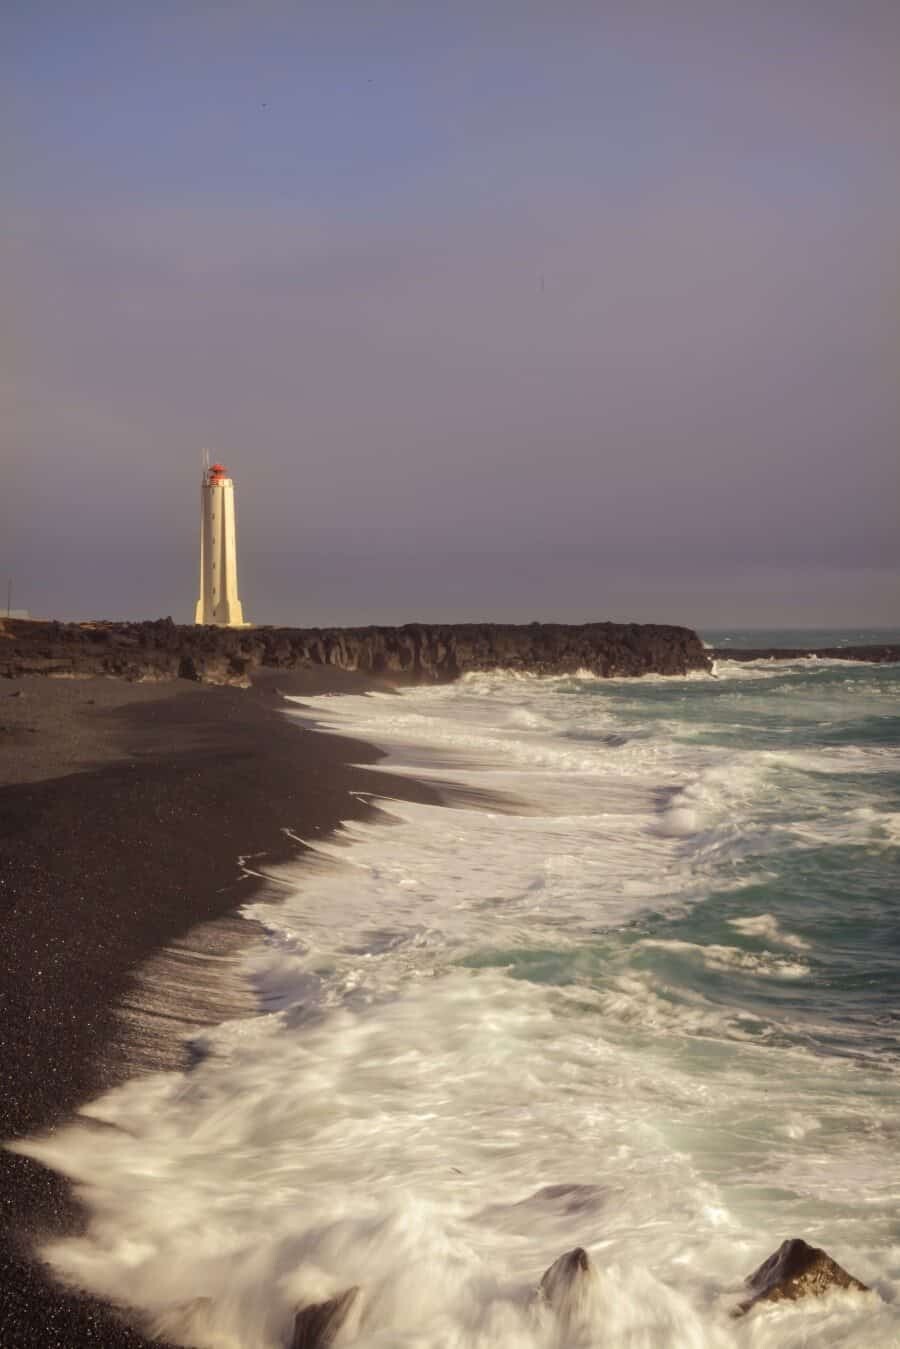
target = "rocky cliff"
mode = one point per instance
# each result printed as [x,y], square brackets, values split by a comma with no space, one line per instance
[417,652]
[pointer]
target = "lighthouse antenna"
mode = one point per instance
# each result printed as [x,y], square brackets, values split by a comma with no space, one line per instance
[204,459]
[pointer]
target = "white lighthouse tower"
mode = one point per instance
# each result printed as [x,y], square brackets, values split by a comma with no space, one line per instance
[218,604]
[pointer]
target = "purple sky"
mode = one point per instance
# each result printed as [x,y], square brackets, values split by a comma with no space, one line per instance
[498,310]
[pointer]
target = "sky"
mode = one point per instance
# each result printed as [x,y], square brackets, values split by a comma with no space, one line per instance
[565,311]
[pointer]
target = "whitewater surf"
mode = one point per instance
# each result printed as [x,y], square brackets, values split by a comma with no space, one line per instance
[631,987]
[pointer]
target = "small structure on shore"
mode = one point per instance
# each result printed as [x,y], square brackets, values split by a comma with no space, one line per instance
[218,605]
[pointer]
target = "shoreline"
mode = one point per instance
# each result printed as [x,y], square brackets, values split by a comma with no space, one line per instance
[413,653]
[131,820]
[124,812]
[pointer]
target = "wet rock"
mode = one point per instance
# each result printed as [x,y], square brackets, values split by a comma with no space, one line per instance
[418,652]
[316,1326]
[569,1269]
[566,1288]
[796,1270]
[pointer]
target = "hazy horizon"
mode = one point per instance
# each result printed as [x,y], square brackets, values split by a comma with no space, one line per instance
[506,312]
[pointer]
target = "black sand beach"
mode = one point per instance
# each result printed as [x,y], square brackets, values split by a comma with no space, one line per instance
[126,804]
[124,810]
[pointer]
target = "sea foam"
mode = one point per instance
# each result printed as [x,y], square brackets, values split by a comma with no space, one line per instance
[498,1030]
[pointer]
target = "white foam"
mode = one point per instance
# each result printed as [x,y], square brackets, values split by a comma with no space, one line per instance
[843,759]
[732,958]
[771,667]
[467,1069]
[766,925]
[441,1154]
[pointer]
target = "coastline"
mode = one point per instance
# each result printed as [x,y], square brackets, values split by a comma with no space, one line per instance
[124,811]
[413,653]
[130,826]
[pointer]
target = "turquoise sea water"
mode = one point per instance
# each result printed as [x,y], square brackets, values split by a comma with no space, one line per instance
[824,864]
[632,986]
[825,738]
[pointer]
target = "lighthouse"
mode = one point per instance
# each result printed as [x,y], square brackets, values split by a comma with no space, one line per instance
[218,604]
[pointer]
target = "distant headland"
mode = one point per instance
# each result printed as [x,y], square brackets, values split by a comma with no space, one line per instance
[882,654]
[414,653]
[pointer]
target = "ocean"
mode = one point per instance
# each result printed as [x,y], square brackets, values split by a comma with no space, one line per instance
[632,986]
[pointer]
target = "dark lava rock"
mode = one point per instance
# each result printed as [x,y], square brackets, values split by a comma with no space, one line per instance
[797,1270]
[565,1287]
[316,1326]
[558,1279]
[186,668]
[414,653]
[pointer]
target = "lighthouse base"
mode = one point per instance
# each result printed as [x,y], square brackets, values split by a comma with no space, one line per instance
[232,618]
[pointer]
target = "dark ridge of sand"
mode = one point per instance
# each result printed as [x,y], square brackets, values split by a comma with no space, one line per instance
[123,812]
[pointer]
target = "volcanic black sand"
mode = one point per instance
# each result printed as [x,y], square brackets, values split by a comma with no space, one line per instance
[124,809]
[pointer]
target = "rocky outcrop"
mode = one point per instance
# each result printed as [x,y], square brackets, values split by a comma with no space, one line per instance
[876,655]
[415,653]
[796,1270]
[316,1326]
[565,1277]
[567,1292]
